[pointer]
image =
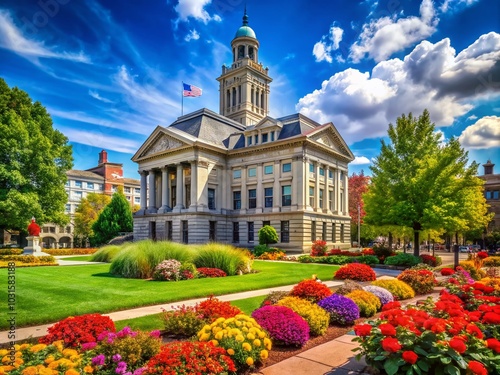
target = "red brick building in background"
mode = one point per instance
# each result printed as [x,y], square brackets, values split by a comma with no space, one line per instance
[105,178]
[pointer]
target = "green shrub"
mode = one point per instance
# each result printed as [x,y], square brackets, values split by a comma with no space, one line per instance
[184,321]
[317,318]
[224,257]
[382,252]
[348,287]
[367,302]
[306,259]
[139,259]
[403,259]
[106,253]
[366,259]
[399,289]
[267,235]
[262,249]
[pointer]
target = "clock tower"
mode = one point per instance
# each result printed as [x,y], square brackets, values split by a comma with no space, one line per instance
[244,86]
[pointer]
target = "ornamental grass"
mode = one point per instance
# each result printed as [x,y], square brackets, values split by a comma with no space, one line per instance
[241,336]
[311,290]
[399,289]
[106,253]
[367,302]
[316,317]
[225,257]
[355,271]
[285,326]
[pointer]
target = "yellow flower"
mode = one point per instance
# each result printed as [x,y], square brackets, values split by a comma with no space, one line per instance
[204,337]
[230,351]
[69,352]
[235,331]
[18,362]
[49,359]
[220,320]
[244,329]
[253,330]
[238,323]
[31,370]
[44,371]
[53,364]
[262,334]
[264,354]
[59,345]
[246,346]
[249,361]
[240,338]
[219,335]
[6,359]
[256,343]
[3,352]
[88,369]
[71,372]
[5,369]
[37,348]
[251,336]
[215,342]
[267,343]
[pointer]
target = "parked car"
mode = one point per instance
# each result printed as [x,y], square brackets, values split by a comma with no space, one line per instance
[464,249]
[475,248]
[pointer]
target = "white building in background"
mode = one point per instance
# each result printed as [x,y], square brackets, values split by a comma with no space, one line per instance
[105,178]
[221,177]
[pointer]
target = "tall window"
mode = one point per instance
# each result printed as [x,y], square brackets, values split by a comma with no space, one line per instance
[268,197]
[185,233]
[249,140]
[168,230]
[311,167]
[285,231]
[252,172]
[237,173]
[311,196]
[272,136]
[212,230]
[78,184]
[286,195]
[321,171]
[90,185]
[137,190]
[268,169]
[342,233]
[287,167]
[252,198]
[250,226]
[330,174]
[341,202]
[126,189]
[266,222]
[323,232]
[313,231]
[173,194]
[187,189]
[237,200]
[265,137]
[321,191]
[334,233]
[211,199]
[330,200]
[236,232]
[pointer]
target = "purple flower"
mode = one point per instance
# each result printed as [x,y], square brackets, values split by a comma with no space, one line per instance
[342,310]
[88,346]
[121,368]
[102,335]
[117,358]
[111,337]
[383,294]
[139,371]
[283,324]
[126,331]
[155,333]
[99,360]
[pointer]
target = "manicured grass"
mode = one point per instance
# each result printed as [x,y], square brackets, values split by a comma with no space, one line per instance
[248,305]
[144,323]
[49,294]
[81,258]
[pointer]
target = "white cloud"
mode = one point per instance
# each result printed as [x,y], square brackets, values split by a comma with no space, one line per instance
[472,117]
[96,95]
[450,5]
[322,50]
[485,133]
[12,38]
[432,76]
[385,36]
[195,9]
[192,35]
[360,160]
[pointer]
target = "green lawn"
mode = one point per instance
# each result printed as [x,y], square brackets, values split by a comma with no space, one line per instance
[82,258]
[49,294]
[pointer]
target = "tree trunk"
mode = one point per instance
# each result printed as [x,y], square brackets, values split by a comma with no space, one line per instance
[416,243]
[390,240]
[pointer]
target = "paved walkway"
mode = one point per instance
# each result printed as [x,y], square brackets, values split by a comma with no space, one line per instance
[333,357]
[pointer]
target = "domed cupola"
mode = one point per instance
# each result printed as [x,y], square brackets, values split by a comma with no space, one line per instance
[245,43]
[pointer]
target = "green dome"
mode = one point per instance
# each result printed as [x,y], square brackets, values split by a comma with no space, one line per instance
[245,31]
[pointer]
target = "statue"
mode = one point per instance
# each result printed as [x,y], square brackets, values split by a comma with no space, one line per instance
[33,238]
[33,228]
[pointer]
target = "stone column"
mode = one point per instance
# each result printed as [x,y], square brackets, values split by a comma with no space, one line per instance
[152,193]
[326,191]
[260,190]
[244,193]
[298,182]
[221,193]
[194,185]
[144,193]
[179,189]
[316,186]
[165,189]
[346,194]
[337,191]
[276,186]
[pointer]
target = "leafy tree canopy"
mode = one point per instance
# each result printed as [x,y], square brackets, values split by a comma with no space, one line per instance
[267,235]
[115,218]
[87,213]
[358,185]
[34,158]
[422,183]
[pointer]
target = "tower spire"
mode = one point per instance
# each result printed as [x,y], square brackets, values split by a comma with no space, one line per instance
[245,17]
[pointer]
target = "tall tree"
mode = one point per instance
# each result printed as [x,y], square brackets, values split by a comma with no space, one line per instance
[86,214]
[115,218]
[419,182]
[358,185]
[34,158]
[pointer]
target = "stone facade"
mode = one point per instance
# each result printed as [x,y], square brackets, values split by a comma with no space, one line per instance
[492,193]
[221,177]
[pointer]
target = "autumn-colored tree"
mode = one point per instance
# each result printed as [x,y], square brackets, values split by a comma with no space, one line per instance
[358,185]
[86,214]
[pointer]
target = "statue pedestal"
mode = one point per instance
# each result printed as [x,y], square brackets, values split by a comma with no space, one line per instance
[33,247]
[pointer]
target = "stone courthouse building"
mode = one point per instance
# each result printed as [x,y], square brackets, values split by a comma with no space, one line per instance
[221,177]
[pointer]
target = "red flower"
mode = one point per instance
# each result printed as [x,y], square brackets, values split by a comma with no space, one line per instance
[391,305]
[311,290]
[477,368]
[482,254]
[387,329]
[363,329]
[410,357]
[391,345]
[474,330]
[493,344]
[491,318]
[447,271]
[458,345]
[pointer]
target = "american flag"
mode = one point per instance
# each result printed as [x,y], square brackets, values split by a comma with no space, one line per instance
[190,90]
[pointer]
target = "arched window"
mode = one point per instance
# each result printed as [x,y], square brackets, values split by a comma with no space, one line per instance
[241,52]
[251,53]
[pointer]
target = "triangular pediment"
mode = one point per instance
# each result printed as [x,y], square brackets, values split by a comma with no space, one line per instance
[158,142]
[329,137]
[268,122]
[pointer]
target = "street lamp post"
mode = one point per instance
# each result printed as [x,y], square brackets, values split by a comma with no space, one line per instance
[359,226]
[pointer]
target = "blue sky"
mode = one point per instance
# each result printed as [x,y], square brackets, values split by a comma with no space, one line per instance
[110,71]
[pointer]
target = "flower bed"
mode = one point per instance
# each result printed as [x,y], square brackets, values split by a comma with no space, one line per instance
[73,251]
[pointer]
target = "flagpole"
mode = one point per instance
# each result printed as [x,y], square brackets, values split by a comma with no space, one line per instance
[182,99]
